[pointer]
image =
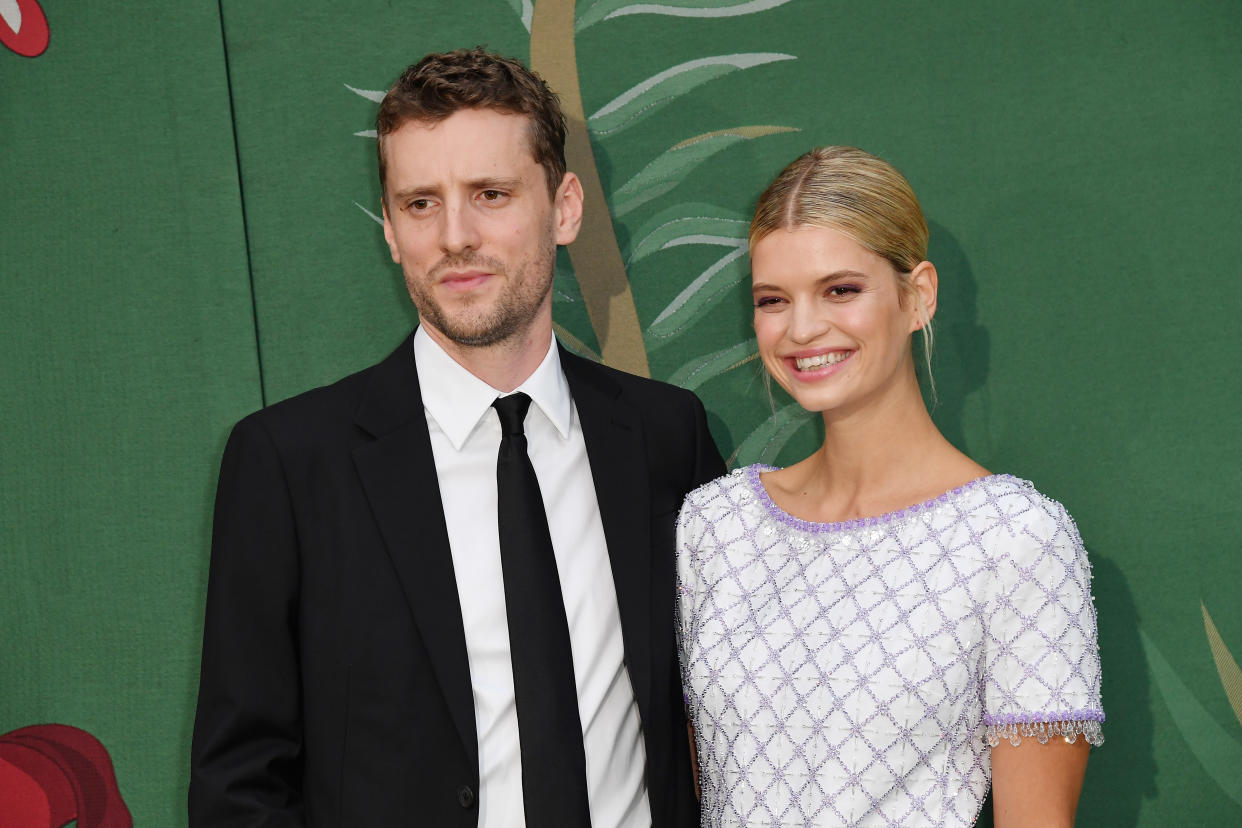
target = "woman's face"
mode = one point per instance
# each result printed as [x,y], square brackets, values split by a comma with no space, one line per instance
[829,320]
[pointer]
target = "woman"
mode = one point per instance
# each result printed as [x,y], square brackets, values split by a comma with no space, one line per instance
[872,635]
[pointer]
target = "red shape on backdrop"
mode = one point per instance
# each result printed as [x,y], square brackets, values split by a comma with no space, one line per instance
[30,37]
[34,790]
[50,774]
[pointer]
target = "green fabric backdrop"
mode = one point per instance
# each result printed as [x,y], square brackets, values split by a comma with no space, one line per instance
[186,233]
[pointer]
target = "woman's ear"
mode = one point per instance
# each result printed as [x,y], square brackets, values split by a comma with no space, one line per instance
[924,282]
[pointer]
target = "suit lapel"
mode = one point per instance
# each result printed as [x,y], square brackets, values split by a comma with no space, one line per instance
[399,477]
[615,447]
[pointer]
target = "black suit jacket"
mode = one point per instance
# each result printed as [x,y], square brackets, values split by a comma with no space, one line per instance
[335,688]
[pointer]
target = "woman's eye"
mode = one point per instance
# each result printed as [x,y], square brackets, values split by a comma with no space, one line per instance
[839,291]
[766,301]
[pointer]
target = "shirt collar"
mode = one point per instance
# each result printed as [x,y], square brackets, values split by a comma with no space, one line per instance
[457,400]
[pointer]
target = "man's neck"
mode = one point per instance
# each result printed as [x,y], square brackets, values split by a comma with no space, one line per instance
[504,365]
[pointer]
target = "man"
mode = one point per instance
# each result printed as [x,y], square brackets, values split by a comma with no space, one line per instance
[379,647]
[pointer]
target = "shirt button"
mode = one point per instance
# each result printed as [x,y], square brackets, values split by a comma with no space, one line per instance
[465,796]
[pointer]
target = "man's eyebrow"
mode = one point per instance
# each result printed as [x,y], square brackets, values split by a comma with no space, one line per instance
[494,183]
[432,190]
[418,191]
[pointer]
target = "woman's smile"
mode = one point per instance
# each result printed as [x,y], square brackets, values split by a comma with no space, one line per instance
[829,319]
[816,366]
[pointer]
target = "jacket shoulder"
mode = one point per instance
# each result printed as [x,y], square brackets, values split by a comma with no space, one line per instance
[324,415]
[641,389]
[343,393]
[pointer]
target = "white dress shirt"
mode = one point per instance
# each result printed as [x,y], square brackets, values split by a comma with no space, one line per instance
[465,439]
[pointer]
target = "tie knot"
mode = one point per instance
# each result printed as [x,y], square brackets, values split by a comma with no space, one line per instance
[512,410]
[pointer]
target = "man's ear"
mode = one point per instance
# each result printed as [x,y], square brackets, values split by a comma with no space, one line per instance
[567,209]
[925,283]
[388,234]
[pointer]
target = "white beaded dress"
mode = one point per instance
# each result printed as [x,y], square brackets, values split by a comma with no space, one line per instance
[858,673]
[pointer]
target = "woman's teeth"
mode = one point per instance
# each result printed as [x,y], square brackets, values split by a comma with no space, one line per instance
[830,358]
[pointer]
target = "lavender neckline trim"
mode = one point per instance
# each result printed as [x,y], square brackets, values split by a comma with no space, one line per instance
[1088,715]
[756,485]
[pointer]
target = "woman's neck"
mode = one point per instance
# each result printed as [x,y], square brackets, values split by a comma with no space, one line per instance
[876,459]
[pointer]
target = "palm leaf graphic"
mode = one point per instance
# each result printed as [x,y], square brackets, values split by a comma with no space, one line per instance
[686,224]
[573,343]
[1220,755]
[1226,667]
[372,95]
[766,441]
[661,89]
[596,257]
[694,300]
[600,284]
[699,370]
[377,219]
[693,224]
[608,9]
[525,10]
[671,167]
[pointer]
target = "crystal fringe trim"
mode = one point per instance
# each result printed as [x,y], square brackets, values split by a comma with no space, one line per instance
[1015,732]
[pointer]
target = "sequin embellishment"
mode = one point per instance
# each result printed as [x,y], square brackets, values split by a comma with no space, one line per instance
[857,673]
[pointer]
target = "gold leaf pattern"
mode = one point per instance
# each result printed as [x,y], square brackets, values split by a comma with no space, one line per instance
[1226,666]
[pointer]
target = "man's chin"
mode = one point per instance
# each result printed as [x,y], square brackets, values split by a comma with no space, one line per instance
[480,334]
[486,339]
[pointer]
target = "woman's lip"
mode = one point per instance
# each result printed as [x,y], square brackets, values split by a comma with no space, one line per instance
[820,372]
[814,352]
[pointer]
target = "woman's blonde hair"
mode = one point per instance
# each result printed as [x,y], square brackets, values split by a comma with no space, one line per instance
[864,197]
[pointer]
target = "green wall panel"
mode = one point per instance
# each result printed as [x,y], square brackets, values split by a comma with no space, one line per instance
[129,348]
[328,298]
[1076,162]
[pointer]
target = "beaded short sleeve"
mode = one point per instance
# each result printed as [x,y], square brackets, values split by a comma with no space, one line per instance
[856,673]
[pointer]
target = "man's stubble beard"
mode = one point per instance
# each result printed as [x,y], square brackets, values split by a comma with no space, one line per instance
[513,311]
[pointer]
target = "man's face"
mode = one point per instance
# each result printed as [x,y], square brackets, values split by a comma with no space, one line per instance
[469,218]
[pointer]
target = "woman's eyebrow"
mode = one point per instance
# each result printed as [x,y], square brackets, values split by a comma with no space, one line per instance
[827,277]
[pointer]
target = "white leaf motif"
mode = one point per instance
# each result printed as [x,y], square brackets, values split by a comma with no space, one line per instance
[376,95]
[12,14]
[703,238]
[683,11]
[374,217]
[525,10]
[743,61]
[699,282]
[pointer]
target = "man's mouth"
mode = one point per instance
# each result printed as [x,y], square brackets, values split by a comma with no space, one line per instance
[820,360]
[464,279]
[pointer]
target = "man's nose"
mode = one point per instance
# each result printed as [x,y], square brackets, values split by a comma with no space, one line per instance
[459,230]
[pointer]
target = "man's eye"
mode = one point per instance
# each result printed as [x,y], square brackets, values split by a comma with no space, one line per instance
[492,195]
[417,204]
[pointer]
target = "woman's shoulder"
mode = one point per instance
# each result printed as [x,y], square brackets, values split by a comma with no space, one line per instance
[1019,501]
[724,494]
[729,499]
[1014,519]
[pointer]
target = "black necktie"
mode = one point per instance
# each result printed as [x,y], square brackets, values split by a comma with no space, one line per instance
[553,761]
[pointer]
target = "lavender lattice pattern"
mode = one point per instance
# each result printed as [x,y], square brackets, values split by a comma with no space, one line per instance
[854,673]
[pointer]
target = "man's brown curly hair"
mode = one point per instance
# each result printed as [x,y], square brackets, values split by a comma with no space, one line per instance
[442,84]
